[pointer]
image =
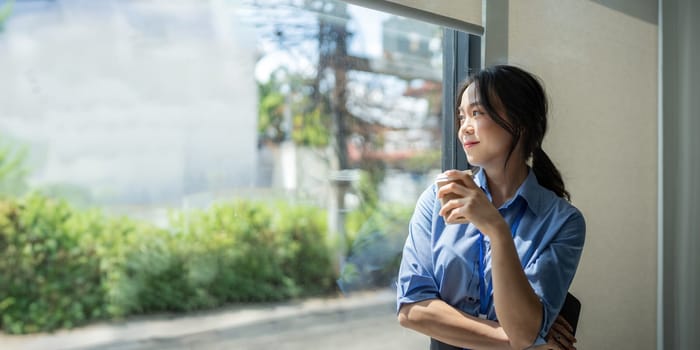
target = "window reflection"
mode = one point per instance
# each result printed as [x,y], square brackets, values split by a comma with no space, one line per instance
[350,120]
[157,112]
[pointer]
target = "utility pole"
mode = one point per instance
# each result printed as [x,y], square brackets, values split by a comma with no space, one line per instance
[333,58]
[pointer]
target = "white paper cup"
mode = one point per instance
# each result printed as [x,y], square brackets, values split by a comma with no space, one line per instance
[442,180]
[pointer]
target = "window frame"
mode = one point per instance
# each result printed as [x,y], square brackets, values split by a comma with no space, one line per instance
[461,57]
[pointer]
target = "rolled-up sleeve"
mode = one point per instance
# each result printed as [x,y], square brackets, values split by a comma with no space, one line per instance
[552,272]
[415,280]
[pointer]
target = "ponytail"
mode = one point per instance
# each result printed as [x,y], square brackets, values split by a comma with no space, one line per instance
[547,174]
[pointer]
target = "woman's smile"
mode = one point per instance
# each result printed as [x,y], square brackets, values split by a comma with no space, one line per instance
[470,144]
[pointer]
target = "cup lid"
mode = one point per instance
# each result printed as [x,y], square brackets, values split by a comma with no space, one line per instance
[442,178]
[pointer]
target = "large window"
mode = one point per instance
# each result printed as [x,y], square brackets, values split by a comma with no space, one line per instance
[177,156]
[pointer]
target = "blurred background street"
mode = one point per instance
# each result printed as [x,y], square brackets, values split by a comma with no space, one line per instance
[182,165]
[360,321]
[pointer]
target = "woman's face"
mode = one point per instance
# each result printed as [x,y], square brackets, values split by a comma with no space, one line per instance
[485,142]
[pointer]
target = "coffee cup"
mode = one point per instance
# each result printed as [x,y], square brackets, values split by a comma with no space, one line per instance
[443,180]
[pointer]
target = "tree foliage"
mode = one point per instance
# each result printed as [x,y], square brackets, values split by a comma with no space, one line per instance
[271,113]
[288,111]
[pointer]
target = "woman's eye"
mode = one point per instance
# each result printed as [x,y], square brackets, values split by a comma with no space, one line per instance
[475,113]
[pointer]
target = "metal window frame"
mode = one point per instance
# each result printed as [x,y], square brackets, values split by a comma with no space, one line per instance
[421,15]
[461,57]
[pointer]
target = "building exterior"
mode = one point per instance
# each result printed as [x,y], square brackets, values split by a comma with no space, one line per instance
[133,102]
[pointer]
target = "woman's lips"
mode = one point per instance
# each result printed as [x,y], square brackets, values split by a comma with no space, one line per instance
[470,144]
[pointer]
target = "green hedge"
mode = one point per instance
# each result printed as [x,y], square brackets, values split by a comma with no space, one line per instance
[61,267]
[49,278]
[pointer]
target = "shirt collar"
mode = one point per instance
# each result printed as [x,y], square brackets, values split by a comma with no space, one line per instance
[530,190]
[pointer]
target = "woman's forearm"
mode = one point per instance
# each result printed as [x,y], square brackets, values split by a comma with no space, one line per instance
[439,320]
[518,308]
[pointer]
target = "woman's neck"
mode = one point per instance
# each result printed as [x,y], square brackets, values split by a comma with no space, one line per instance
[504,182]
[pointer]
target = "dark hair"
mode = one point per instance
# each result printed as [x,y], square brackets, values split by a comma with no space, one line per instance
[522,103]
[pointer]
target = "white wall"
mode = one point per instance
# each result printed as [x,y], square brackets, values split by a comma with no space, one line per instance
[599,65]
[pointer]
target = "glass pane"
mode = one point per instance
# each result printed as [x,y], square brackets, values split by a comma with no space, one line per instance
[180,156]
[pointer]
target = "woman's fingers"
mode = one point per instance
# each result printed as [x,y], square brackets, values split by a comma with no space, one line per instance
[453,189]
[456,217]
[453,195]
[561,334]
[464,175]
[461,205]
[560,343]
[563,343]
[563,329]
[453,209]
[463,201]
[458,184]
[564,322]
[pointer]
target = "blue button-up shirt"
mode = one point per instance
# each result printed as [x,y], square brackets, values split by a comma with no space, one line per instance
[442,261]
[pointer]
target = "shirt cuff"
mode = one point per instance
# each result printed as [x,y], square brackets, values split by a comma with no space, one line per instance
[539,341]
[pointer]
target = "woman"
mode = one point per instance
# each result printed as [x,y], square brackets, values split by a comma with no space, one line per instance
[491,268]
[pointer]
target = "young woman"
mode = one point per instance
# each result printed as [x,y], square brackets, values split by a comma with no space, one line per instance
[491,268]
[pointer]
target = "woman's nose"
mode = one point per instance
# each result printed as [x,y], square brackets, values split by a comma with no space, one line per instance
[466,127]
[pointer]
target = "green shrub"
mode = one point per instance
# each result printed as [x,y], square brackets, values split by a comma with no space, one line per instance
[255,255]
[230,252]
[48,277]
[139,270]
[62,267]
[306,255]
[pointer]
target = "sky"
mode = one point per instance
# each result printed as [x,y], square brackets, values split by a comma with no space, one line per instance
[366,26]
[366,23]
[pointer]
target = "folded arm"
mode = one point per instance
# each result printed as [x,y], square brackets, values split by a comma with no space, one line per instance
[437,319]
[518,307]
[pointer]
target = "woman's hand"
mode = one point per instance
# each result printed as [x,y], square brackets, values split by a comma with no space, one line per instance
[561,334]
[468,204]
